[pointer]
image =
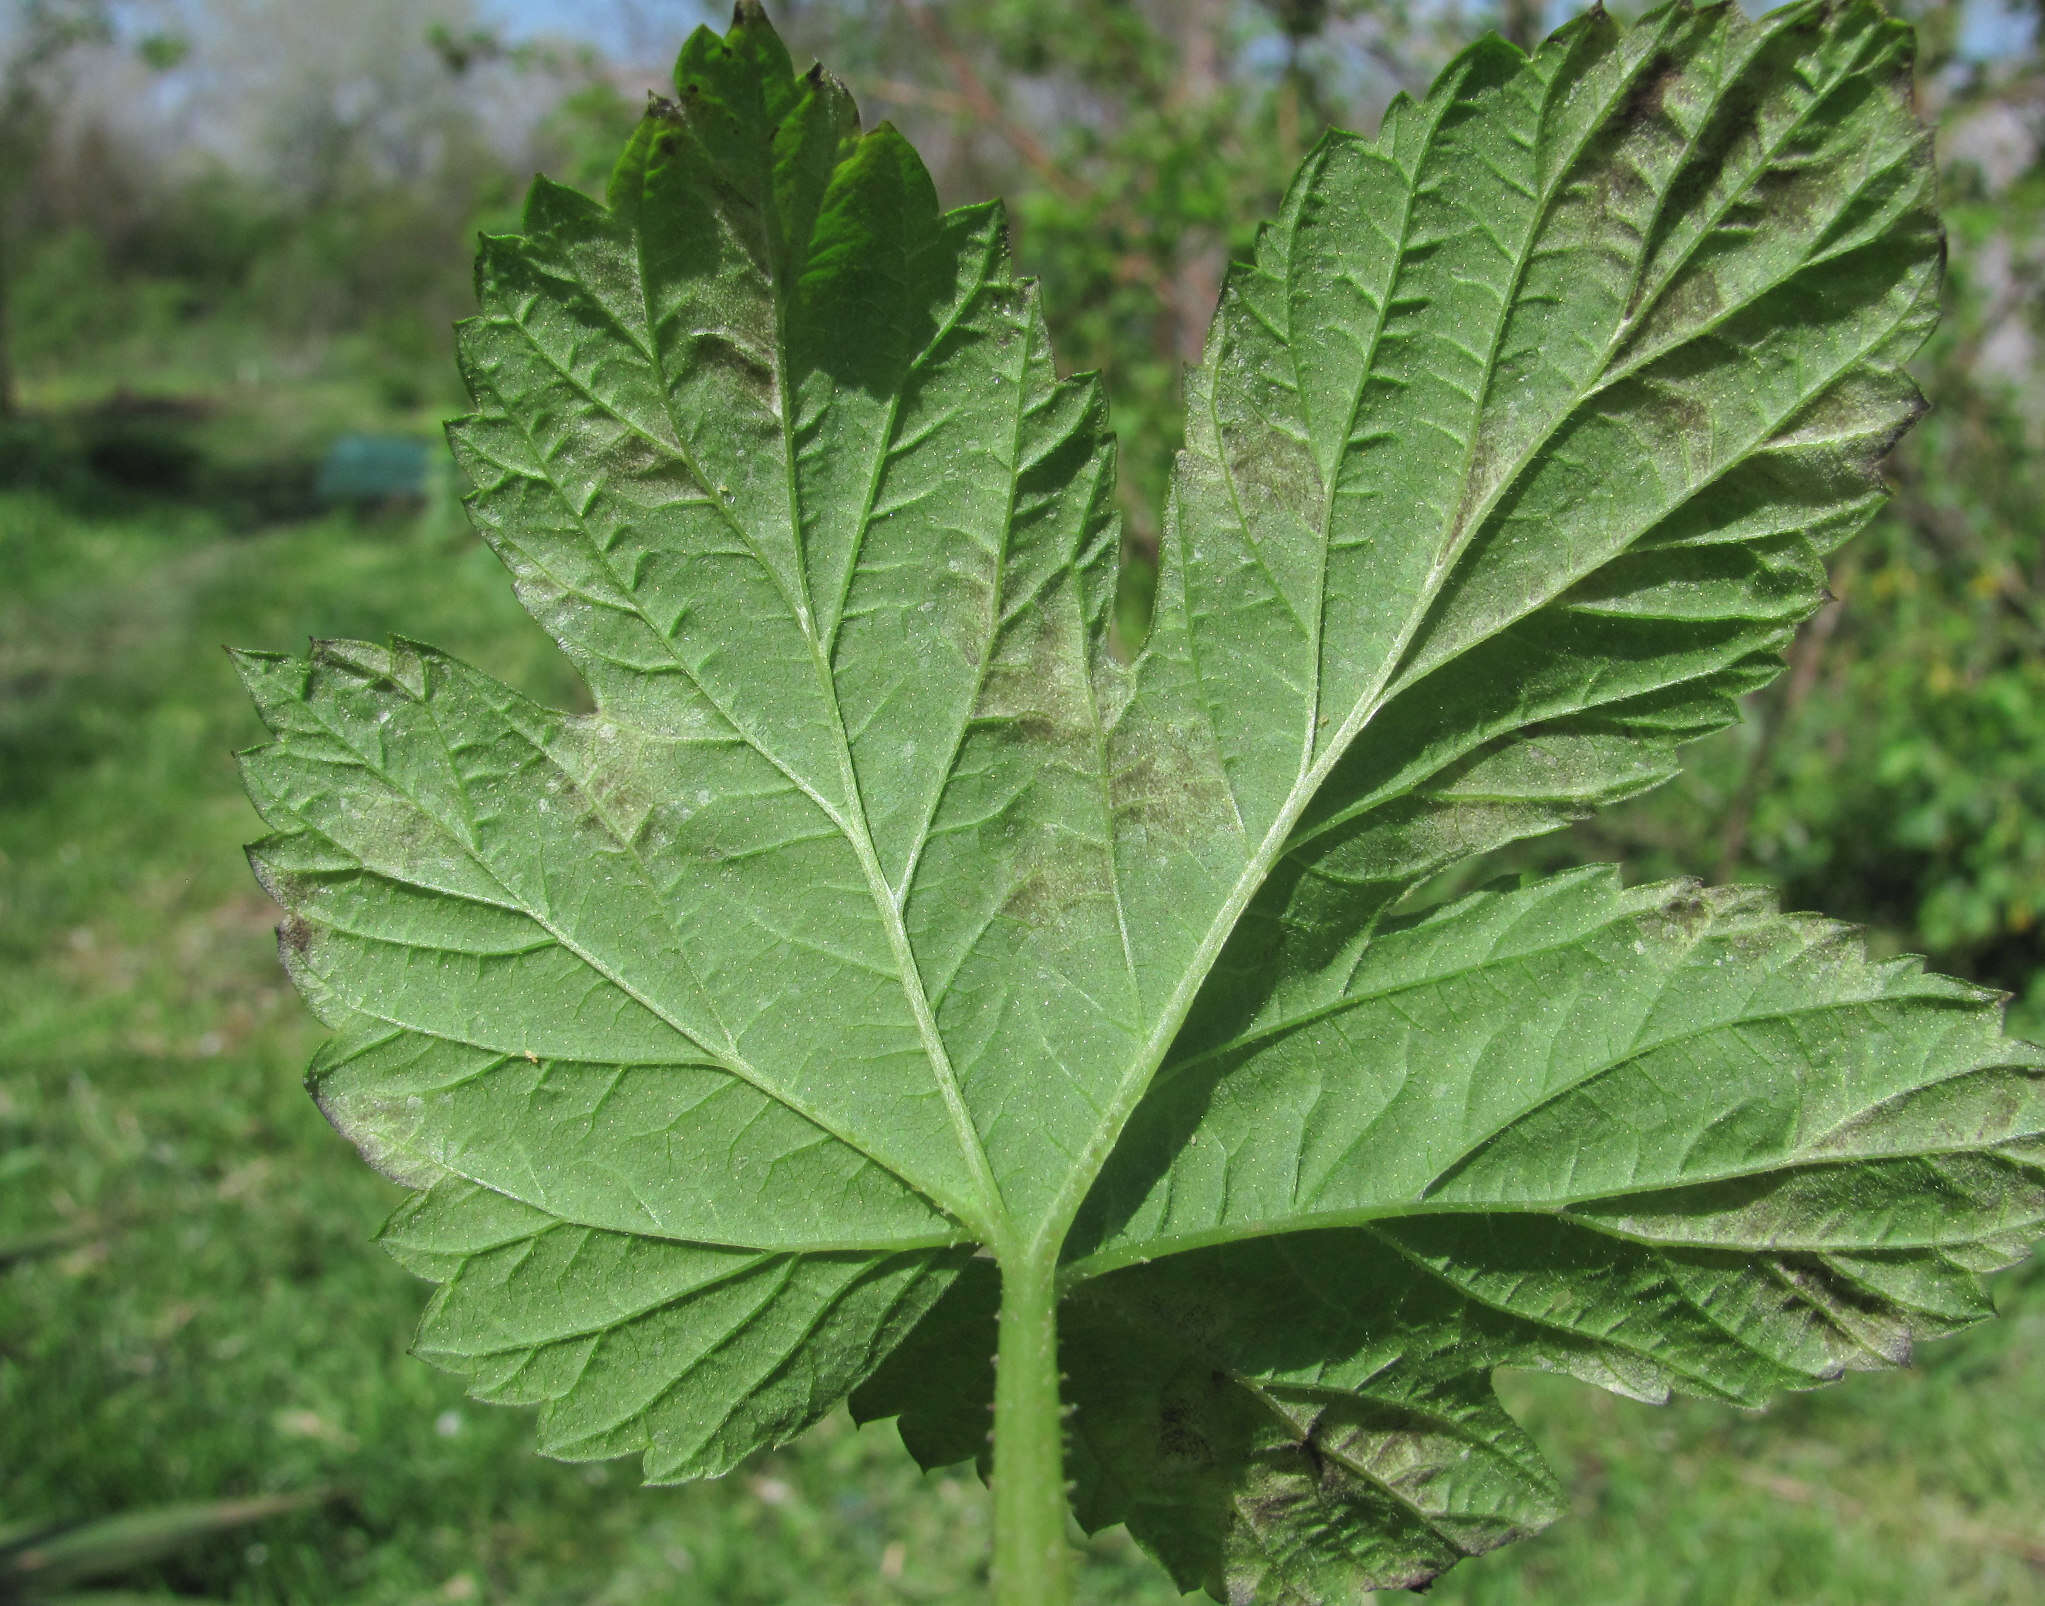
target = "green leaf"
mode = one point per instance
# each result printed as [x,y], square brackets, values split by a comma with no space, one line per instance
[689,1355]
[39,1561]
[1516,451]
[1662,1139]
[881,942]
[1680,1054]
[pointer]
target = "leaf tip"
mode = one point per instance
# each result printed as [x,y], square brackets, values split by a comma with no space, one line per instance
[252,667]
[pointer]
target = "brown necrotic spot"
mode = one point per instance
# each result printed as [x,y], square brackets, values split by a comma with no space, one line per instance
[1645,102]
[1169,782]
[1178,1438]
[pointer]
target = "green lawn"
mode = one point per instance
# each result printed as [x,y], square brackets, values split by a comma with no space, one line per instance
[204,1315]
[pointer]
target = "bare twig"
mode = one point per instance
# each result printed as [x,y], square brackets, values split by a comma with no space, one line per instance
[979,101]
[1521,23]
[1804,658]
[904,93]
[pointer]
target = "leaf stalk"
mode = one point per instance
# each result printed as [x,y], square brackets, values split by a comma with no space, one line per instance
[1032,1563]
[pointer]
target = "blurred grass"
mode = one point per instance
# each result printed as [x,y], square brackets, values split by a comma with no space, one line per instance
[203,1317]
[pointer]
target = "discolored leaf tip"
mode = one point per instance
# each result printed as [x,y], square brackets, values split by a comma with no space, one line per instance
[1592,19]
[294,936]
[252,852]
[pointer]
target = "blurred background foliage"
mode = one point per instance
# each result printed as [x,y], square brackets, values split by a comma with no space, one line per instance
[233,236]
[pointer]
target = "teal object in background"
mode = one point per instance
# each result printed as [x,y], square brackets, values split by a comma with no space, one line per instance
[372,468]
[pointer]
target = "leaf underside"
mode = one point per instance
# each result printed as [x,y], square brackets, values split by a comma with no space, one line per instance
[879,915]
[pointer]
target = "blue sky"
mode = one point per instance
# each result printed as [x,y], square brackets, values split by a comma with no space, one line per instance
[1992,27]
[594,20]
[1995,27]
